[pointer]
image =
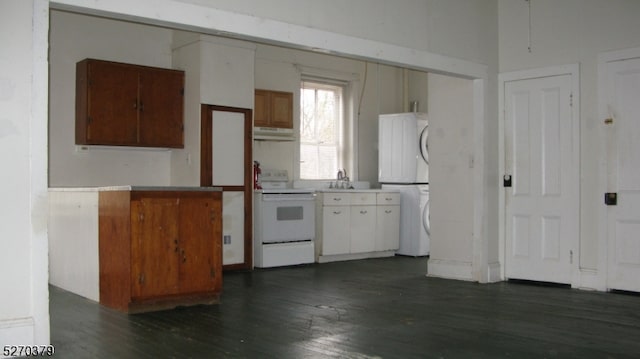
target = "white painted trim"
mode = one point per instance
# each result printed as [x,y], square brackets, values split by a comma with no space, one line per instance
[600,280]
[193,17]
[38,174]
[590,279]
[480,236]
[19,331]
[493,274]
[503,78]
[450,269]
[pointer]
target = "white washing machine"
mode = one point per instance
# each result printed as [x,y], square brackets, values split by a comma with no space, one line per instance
[414,218]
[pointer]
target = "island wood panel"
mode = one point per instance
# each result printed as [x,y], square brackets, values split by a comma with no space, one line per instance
[159,249]
[114,231]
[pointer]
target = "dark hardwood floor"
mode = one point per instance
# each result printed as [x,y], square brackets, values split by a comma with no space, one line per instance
[376,308]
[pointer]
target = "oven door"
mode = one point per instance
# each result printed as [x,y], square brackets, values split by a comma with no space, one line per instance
[287,217]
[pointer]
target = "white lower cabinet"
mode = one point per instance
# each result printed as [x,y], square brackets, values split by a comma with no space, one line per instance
[335,227]
[387,221]
[355,225]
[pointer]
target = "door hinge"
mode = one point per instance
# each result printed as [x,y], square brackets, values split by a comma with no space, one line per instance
[571,257]
[571,99]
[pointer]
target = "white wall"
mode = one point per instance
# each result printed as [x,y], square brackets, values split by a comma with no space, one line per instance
[24,306]
[73,38]
[453,28]
[451,153]
[569,32]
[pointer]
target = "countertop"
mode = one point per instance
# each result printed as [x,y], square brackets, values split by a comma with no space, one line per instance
[356,190]
[135,188]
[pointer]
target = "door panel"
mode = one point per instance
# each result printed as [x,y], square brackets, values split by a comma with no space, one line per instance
[622,93]
[154,247]
[197,257]
[112,121]
[542,204]
[226,160]
[161,107]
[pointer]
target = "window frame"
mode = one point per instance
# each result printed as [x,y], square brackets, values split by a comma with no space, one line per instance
[347,158]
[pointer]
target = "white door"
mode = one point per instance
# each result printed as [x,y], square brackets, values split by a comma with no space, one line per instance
[541,159]
[622,94]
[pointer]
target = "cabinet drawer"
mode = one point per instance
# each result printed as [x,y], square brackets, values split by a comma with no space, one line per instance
[336,199]
[387,198]
[363,198]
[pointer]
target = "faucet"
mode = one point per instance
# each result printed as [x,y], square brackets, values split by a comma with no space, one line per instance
[342,179]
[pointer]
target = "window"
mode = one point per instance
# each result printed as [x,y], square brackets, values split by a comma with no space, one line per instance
[322,113]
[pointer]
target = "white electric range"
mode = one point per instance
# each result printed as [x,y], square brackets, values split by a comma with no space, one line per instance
[284,222]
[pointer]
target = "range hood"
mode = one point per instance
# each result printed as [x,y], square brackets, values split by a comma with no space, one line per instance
[273,134]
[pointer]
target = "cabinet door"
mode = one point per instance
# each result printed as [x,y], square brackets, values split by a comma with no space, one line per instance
[161,107]
[261,109]
[110,94]
[154,247]
[363,229]
[199,245]
[282,109]
[335,230]
[387,228]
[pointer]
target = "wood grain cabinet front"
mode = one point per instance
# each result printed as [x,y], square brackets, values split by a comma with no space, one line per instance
[120,104]
[160,250]
[273,109]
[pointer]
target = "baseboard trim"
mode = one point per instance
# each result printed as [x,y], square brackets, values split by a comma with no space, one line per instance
[449,269]
[590,279]
[493,273]
[18,331]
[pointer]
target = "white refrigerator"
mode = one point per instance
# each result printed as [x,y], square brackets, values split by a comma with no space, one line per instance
[403,165]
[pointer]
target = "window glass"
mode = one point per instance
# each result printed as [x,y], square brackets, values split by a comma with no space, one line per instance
[321,121]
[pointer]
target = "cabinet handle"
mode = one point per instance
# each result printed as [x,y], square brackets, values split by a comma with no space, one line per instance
[135,104]
[141,278]
[337,212]
[337,199]
[388,211]
[363,212]
[388,199]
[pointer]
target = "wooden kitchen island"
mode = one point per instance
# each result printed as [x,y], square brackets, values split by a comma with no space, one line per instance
[157,247]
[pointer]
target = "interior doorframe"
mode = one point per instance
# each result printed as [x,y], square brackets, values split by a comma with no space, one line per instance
[574,71]
[206,174]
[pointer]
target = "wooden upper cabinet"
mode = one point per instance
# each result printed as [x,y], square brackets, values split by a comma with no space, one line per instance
[273,109]
[128,105]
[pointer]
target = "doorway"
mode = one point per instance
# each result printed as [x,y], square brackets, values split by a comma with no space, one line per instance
[619,108]
[540,169]
[225,161]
